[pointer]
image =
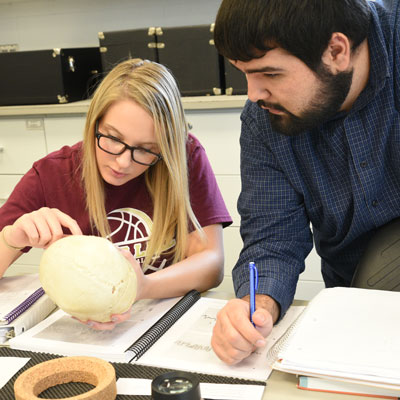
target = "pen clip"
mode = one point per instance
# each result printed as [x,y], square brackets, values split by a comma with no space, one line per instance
[255,275]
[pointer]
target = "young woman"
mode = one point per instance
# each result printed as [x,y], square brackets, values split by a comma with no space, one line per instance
[138,178]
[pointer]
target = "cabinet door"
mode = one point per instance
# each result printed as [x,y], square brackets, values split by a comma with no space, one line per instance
[22,142]
[63,130]
[230,186]
[218,132]
[7,184]
[28,263]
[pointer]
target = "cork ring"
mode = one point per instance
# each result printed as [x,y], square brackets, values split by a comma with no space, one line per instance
[94,371]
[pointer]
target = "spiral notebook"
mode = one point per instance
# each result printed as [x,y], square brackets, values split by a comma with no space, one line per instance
[168,333]
[62,335]
[23,304]
[345,334]
[17,294]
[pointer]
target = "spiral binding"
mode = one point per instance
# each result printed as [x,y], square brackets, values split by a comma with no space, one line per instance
[281,344]
[162,325]
[17,311]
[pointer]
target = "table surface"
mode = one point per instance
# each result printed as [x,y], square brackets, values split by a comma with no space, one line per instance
[280,385]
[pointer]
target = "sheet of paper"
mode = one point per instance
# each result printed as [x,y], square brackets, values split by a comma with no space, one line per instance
[187,345]
[142,387]
[15,289]
[9,366]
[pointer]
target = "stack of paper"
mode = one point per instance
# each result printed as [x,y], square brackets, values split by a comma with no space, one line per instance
[348,334]
[334,386]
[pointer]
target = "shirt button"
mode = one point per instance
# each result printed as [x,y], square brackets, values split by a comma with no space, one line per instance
[374,203]
[363,164]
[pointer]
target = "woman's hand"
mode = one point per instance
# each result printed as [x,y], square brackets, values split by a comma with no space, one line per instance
[141,278]
[107,326]
[40,228]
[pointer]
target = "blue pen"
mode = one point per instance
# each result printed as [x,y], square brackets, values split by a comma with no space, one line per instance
[253,288]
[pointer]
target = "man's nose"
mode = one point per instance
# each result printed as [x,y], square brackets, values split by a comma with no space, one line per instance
[256,90]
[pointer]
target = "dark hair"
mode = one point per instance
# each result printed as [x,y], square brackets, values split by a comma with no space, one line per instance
[247,29]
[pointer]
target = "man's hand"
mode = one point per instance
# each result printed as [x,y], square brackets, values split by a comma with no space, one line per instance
[234,336]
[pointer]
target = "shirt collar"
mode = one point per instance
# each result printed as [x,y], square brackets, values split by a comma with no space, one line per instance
[380,68]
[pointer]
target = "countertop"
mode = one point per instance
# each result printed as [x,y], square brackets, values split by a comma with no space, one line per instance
[81,107]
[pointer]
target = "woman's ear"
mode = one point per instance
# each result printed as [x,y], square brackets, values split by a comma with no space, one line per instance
[337,56]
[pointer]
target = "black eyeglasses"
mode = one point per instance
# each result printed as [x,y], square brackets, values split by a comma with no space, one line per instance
[113,145]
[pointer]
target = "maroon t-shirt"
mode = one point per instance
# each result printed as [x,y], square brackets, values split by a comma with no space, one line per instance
[55,181]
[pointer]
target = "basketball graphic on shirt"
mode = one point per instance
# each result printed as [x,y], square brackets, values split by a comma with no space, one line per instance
[131,228]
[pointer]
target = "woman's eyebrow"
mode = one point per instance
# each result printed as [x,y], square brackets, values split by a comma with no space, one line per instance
[112,128]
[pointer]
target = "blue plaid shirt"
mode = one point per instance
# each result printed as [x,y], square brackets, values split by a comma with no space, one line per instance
[342,179]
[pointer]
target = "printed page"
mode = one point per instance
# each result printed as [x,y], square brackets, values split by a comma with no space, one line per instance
[187,345]
[15,289]
[60,334]
[348,332]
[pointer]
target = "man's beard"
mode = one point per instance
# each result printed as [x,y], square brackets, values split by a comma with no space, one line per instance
[325,104]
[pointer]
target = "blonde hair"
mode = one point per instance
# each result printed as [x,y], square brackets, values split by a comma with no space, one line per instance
[152,86]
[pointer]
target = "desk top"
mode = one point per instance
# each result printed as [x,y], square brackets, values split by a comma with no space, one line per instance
[280,385]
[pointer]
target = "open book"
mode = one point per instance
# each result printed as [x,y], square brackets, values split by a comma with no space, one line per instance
[346,334]
[152,338]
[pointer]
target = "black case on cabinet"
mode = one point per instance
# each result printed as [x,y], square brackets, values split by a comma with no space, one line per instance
[187,51]
[190,54]
[117,46]
[48,76]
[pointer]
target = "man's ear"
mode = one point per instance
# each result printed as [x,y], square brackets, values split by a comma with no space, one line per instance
[337,56]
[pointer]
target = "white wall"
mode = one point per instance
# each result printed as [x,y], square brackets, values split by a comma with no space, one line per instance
[48,24]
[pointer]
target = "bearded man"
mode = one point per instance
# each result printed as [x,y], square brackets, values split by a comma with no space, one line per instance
[320,146]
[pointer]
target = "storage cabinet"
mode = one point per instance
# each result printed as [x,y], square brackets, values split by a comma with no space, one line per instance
[29,136]
[7,184]
[64,131]
[22,141]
